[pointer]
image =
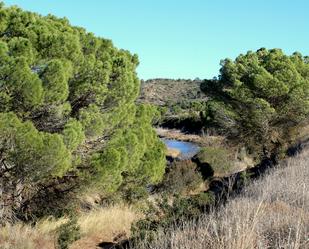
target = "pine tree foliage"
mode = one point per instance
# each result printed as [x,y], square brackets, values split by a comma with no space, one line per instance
[67,94]
[260,97]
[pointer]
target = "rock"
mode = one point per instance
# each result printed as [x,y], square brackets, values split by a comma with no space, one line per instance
[174,153]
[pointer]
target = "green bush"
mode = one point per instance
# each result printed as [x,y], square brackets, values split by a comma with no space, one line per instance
[176,109]
[183,208]
[133,156]
[32,155]
[219,159]
[181,176]
[73,134]
[68,233]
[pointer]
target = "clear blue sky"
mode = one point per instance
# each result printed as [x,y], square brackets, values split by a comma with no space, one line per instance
[186,38]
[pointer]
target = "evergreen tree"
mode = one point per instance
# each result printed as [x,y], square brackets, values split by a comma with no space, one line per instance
[260,98]
[68,111]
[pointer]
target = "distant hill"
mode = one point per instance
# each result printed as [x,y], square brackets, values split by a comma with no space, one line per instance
[180,102]
[168,92]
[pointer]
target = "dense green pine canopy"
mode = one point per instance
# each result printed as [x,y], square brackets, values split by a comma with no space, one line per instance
[260,97]
[67,104]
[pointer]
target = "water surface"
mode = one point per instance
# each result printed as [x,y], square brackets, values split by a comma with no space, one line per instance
[187,149]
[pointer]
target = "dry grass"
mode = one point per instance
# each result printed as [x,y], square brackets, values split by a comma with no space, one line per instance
[21,236]
[104,224]
[272,212]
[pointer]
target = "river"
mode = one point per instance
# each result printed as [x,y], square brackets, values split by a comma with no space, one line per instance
[187,149]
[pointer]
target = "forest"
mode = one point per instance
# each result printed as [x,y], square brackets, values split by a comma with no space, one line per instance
[83,162]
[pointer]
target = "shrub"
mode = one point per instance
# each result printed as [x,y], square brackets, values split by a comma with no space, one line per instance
[181,209]
[176,109]
[219,160]
[271,212]
[181,176]
[73,134]
[68,233]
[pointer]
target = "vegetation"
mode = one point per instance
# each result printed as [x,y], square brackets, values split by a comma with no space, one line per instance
[260,99]
[168,92]
[217,160]
[102,224]
[74,125]
[181,177]
[181,208]
[68,233]
[68,117]
[259,102]
[271,212]
[180,102]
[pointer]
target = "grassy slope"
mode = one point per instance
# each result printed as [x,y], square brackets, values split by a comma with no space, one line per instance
[272,212]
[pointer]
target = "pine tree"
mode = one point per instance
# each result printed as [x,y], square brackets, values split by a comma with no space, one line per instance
[67,112]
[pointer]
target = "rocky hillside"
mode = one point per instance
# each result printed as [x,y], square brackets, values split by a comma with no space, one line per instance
[166,92]
[180,102]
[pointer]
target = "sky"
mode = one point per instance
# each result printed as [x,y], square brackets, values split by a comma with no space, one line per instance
[186,38]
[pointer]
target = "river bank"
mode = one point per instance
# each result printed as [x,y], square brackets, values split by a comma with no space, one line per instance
[201,140]
[182,146]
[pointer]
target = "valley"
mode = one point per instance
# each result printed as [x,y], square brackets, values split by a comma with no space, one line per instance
[93,156]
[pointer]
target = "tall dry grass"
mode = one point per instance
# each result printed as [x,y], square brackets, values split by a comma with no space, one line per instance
[272,212]
[103,224]
[110,224]
[23,236]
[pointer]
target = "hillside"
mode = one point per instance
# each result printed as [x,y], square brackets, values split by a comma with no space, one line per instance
[92,157]
[167,92]
[180,102]
[272,212]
